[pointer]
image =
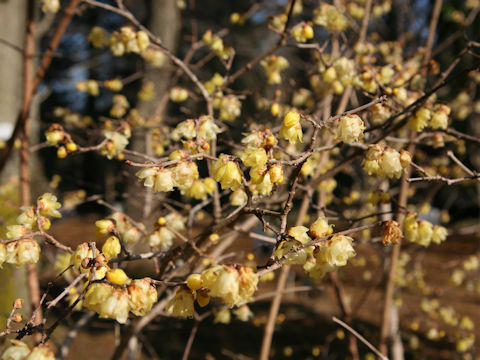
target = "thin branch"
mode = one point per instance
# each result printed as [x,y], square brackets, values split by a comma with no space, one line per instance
[361,338]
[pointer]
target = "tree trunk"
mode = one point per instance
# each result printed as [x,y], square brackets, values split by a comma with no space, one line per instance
[12,36]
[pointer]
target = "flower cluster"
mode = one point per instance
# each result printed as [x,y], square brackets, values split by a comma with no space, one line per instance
[201,188]
[26,250]
[20,252]
[113,302]
[423,232]
[287,249]
[385,161]
[118,296]
[129,232]
[302,32]
[436,118]
[291,129]
[335,77]
[207,129]
[20,351]
[127,40]
[262,176]
[182,176]
[163,236]
[334,253]
[235,285]
[178,94]
[320,258]
[330,17]
[217,45]
[89,86]
[229,106]
[273,66]
[57,136]
[350,129]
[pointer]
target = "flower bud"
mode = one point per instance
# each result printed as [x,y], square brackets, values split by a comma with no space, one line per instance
[195,282]
[117,276]
[112,247]
[62,152]
[104,226]
[203,299]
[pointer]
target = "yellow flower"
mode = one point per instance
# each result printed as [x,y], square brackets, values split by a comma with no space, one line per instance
[50,6]
[320,228]
[28,252]
[98,37]
[299,233]
[41,352]
[163,180]
[338,250]
[439,118]
[410,227]
[330,17]
[195,282]
[184,174]
[254,157]
[18,351]
[350,129]
[47,205]
[243,313]
[420,120]
[227,173]
[389,163]
[162,238]
[291,129]
[222,316]
[113,85]
[201,188]
[222,281]
[54,134]
[182,305]
[265,186]
[178,94]
[238,197]
[112,247]
[248,282]
[104,226]
[107,302]
[276,173]
[141,296]
[142,40]
[3,253]
[440,234]
[425,232]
